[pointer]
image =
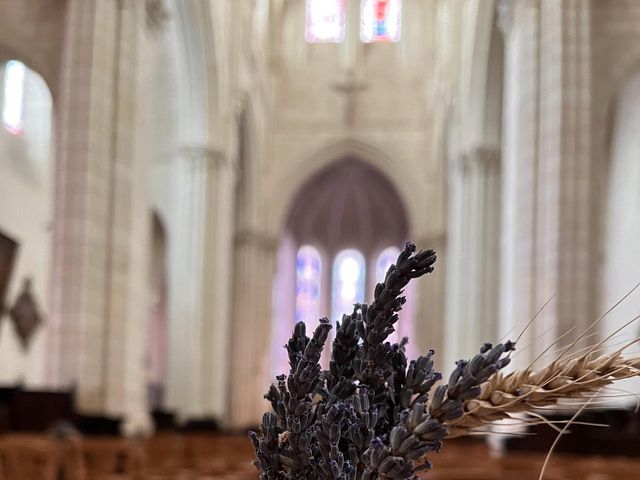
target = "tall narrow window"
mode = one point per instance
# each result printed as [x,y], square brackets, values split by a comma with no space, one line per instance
[13,96]
[348,282]
[380,20]
[386,258]
[325,21]
[308,278]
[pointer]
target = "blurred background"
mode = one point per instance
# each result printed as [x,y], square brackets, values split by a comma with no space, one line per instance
[183,180]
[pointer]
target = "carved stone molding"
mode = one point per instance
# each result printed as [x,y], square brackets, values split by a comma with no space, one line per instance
[157,15]
[483,157]
[505,10]
[263,240]
[204,154]
[435,240]
[488,157]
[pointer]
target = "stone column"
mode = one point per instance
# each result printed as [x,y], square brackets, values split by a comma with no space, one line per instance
[472,307]
[429,291]
[567,218]
[201,264]
[549,226]
[253,315]
[97,244]
[520,24]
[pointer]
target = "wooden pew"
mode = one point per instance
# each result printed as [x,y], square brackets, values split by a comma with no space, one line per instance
[28,457]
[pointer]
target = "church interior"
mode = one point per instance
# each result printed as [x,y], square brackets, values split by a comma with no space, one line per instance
[182,181]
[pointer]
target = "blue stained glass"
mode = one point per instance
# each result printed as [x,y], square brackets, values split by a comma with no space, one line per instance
[380,20]
[308,278]
[386,258]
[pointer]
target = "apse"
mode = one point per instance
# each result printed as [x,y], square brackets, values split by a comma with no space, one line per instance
[344,229]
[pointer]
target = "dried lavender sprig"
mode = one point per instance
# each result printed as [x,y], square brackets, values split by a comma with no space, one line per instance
[379,317]
[367,416]
[340,378]
[267,448]
[378,364]
[292,400]
[464,383]
[421,430]
[331,463]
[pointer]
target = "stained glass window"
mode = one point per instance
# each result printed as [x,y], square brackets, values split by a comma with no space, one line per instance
[386,258]
[308,280]
[348,282]
[325,21]
[13,96]
[380,20]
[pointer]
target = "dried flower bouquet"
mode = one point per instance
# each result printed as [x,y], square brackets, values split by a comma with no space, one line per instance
[372,414]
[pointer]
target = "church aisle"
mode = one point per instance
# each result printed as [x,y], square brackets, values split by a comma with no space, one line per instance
[229,457]
[459,460]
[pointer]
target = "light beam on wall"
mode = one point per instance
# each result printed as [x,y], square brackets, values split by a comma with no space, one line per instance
[13,96]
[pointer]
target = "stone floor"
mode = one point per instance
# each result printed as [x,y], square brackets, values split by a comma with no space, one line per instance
[222,457]
[473,461]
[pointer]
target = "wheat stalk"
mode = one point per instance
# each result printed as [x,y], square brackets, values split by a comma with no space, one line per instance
[523,391]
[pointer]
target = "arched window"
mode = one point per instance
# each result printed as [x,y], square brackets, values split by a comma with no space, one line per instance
[325,21]
[26,111]
[404,325]
[13,96]
[380,20]
[308,280]
[386,258]
[347,282]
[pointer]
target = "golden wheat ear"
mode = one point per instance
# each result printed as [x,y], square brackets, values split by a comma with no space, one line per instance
[525,391]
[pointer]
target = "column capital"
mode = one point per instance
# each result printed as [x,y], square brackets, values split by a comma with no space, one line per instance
[157,15]
[483,157]
[505,10]
[261,239]
[435,240]
[205,154]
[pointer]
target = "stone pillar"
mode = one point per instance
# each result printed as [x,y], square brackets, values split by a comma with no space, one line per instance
[97,244]
[472,306]
[567,220]
[520,24]
[429,291]
[548,234]
[201,265]
[253,315]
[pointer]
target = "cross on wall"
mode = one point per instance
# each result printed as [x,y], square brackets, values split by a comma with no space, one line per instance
[350,88]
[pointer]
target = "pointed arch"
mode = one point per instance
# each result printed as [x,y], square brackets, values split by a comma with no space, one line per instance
[390,166]
[196,64]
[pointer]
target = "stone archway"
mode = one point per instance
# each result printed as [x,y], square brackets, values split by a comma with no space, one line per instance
[386,162]
[475,202]
[348,205]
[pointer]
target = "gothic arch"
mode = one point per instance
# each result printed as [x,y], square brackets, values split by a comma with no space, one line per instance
[478,76]
[388,165]
[247,184]
[194,52]
[348,203]
[26,37]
